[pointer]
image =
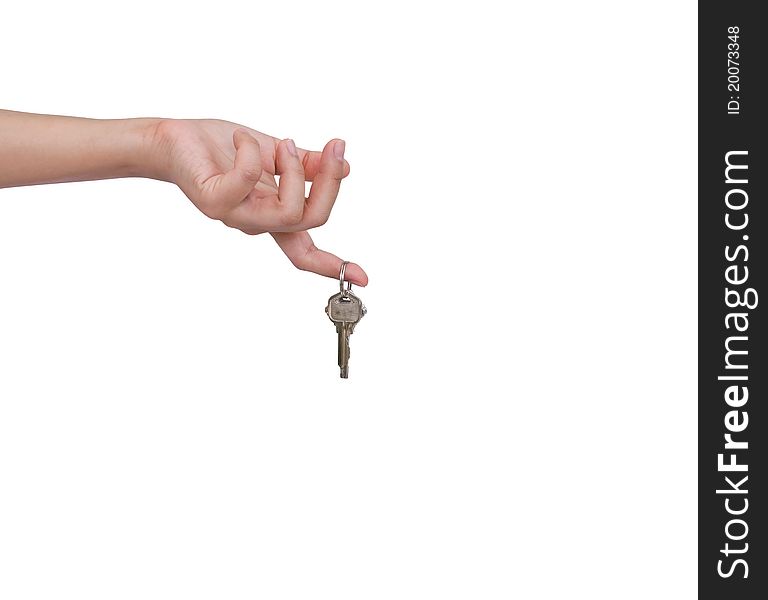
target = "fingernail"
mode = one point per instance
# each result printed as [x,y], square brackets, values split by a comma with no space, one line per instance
[338,149]
[291,147]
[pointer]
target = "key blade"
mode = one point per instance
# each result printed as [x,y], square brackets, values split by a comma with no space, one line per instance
[343,333]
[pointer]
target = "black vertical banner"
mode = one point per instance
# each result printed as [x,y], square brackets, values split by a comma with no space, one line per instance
[733,301]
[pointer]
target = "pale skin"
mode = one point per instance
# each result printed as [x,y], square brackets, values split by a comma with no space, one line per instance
[228,171]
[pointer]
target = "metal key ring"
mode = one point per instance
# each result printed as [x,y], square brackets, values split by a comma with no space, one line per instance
[344,291]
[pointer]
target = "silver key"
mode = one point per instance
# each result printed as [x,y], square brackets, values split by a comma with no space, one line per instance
[345,311]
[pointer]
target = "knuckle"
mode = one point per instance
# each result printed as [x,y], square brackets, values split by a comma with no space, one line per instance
[251,174]
[295,168]
[248,229]
[319,219]
[302,260]
[213,210]
[291,216]
[230,223]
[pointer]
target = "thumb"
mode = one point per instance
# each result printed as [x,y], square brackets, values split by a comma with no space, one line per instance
[234,185]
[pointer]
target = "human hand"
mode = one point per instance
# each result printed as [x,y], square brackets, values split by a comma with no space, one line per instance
[228,172]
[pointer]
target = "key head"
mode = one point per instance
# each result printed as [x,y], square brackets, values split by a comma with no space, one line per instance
[345,308]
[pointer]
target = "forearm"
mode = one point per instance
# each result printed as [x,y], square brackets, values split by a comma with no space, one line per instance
[37,149]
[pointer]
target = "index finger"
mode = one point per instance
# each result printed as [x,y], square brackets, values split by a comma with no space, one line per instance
[302,252]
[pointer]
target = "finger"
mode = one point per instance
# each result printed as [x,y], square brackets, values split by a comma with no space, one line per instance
[302,252]
[271,214]
[291,188]
[277,212]
[311,160]
[325,187]
[229,189]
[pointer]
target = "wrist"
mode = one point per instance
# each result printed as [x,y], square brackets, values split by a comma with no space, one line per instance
[144,143]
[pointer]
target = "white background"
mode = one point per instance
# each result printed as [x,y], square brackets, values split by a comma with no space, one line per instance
[520,416]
